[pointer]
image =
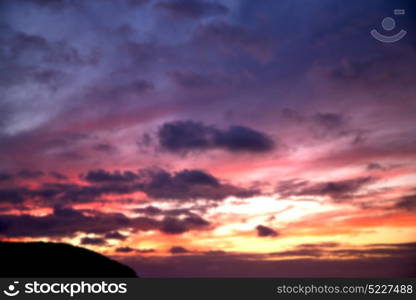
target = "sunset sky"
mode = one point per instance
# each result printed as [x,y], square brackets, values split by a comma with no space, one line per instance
[212,138]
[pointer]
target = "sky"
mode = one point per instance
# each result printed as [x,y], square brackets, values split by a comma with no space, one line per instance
[208,138]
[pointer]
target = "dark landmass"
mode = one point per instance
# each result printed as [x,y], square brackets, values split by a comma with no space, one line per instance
[40,259]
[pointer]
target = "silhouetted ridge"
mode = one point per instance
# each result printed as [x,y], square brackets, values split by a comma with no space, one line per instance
[56,260]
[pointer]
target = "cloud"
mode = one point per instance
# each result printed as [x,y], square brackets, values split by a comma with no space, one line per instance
[105,148]
[58,176]
[308,250]
[407,203]
[391,260]
[149,250]
[22,46]
[12,195]
[178,250]
[264,231]
[172,225]
[30,174]
[337,190]
[189,184]
[5,176]
[290,187]
[124,249]
[93,241]
[185,136]
[100,175]
[62,222]
[375,166]
[74,193]
[239,138]
[315,253]
[320,245]
[149,210]
[329,121]
[184,185]
[115,235]
[323,125]
[155,211]
[68,222]
[192,8]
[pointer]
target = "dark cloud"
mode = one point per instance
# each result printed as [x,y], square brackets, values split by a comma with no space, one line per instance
[189,184]
[192,8]
[58,176]
[178,250]
[185,185]
[145,250]
[64,140]
[71,156]
[5,176]
[115,235]
[290,187]
[335,250]
[411,245]
[264,231]
[320,245]
[309,250]
[337,190]
[315,253]
[124,249]
[155,211]
[74,193]
[171,225]
[375,166]
[184,136]
[21,45]
[328,125]
[391,260]
[329,121]
[12,195]
[149,210]
[93,241]
[35,59]
[104,176]
[68,222]
[407,203]
[160,184]
[196,177]
[239,138]
[30,174]
[105,148]
[62,222]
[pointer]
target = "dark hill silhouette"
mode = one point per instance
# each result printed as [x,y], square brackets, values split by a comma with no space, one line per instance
[57,260]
